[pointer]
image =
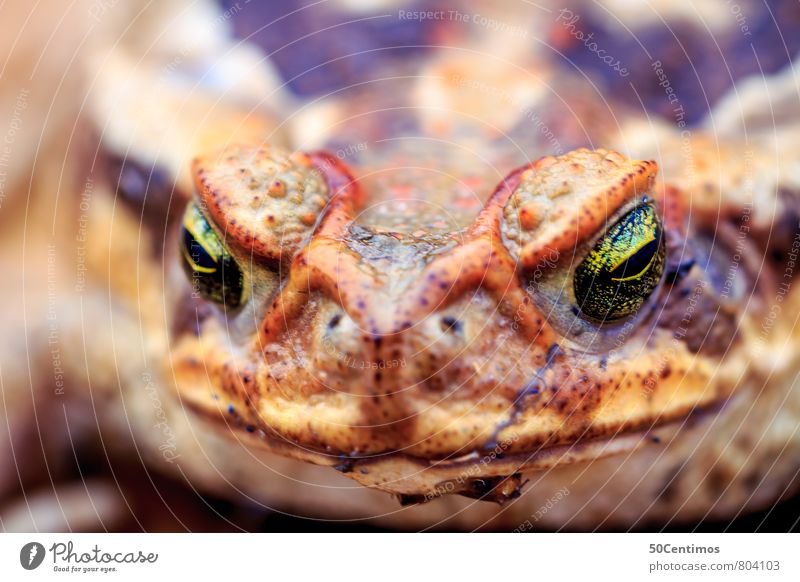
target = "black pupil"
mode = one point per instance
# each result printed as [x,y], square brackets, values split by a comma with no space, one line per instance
[639,261]
[199,255]
[220,281]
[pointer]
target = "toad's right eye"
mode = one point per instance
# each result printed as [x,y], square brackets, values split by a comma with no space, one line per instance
[624,267]
[212,270]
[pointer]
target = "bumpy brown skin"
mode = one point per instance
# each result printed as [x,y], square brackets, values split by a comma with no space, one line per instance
[692,406]
[689,410]
[403,337]
[345,370]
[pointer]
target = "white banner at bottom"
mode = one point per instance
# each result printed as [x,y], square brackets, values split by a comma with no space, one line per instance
[333,557]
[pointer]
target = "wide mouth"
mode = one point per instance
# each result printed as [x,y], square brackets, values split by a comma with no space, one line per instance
[492,473]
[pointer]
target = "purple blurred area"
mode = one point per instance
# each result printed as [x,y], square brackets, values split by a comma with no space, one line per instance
[701,65]
[318,47]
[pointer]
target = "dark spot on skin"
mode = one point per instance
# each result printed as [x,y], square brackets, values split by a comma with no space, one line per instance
[345,464]
[334,321]
[450,323]
[231,409]
[532,388]
[552,353]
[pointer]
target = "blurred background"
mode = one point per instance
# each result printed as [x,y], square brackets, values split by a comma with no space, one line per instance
[62,62]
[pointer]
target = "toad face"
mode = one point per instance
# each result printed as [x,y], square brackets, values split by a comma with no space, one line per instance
[338,319]
[594,340]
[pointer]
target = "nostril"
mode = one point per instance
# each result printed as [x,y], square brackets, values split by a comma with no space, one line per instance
[450,323]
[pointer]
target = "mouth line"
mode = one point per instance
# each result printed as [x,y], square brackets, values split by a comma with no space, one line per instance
[543,457]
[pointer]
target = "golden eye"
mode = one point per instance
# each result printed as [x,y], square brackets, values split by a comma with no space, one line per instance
[623,268]
[212,270]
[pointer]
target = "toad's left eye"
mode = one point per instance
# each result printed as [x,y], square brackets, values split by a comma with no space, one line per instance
[623,268]
[212,270]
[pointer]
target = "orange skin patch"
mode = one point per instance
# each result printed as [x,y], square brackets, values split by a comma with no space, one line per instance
[476,360]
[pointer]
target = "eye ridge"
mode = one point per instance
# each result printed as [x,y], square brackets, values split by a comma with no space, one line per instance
[603,289]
